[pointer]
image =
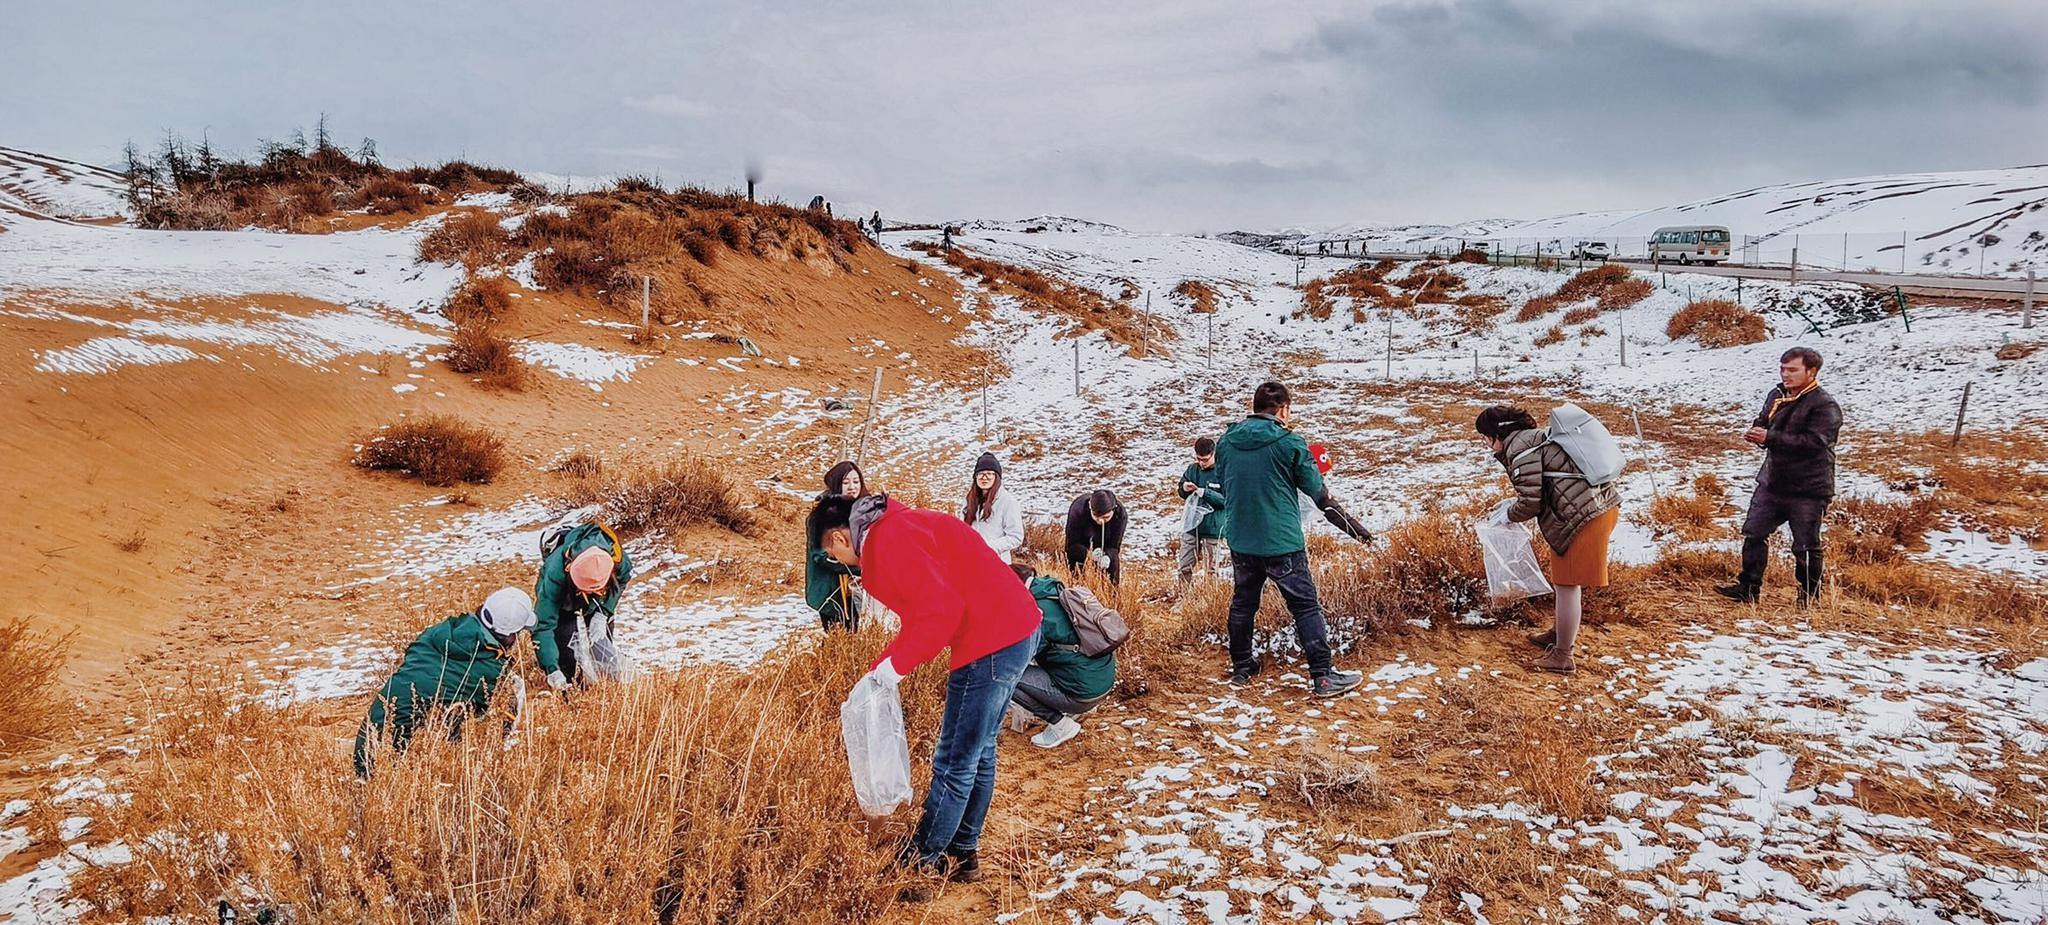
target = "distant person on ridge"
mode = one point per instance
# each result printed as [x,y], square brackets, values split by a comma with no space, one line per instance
[1095,533]
[952,591]
[583,571]
[828,583]
[993,512]
[1796,429]
[454,663]
[1203,545]
[1263,466]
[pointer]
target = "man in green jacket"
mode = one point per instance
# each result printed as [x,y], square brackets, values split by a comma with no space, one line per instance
[1204,544]
[584,571]
[455,662]
[1262,466]
[1060,683]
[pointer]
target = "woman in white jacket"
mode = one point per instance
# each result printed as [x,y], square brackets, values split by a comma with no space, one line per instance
[991,511]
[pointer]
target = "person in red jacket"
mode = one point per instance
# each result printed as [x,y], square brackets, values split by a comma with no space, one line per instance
[951,591]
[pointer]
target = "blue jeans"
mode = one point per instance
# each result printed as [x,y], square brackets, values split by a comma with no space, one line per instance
[964,763]
[1248,574]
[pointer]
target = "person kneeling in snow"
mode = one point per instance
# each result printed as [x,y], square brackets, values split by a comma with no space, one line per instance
[456,662]
[1062,683]
[950,589]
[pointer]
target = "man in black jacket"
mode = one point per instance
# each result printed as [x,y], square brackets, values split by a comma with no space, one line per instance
[1797,430]
[1095,530]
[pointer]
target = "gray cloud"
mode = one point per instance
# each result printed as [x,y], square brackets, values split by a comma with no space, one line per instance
[1204,114]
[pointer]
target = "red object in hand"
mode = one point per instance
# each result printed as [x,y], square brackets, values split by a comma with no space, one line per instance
[1321,454]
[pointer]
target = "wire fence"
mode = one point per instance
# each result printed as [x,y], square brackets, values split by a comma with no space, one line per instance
[1941,252]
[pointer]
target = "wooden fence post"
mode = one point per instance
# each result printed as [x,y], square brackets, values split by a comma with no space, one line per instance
[1957,437]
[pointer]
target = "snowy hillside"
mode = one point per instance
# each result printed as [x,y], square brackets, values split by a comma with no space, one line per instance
[1962,222]
[58,188]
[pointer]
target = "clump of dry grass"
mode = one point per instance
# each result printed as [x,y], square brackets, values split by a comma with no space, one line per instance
[478,351]
[1477,312]
[1537,307]
[1625,293]
[1329,782]
[1871,532]
[30,662]
[1200,296]
[1592,283]
[581,464]
[1470,255]
[1315,303]
[707,796]
[1553,336]
[1689,517]
[1046,543]
[1717,323]
[672,497]
[437,450]
[473,239]
[1581,315]
[482,300]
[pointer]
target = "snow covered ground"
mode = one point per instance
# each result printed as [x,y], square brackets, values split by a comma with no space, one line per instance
[1993,222]
[57,188]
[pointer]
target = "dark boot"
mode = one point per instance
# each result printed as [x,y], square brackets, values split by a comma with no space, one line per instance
[1543,640]
[1807,567]
[965,867]
[1741,592]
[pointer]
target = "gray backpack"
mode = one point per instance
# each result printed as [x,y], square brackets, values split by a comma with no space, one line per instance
[1099,628]
[1586,441]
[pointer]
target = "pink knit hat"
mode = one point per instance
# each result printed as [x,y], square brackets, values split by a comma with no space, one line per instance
[591,570]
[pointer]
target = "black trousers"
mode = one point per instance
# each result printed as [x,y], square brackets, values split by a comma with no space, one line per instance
[1768,512]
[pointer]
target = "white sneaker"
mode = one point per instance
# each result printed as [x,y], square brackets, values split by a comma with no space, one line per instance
[1057,734]
[1019,719]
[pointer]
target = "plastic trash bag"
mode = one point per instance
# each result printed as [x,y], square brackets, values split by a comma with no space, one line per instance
[1191,514]
[597,654]
[877,752]
[1512,570]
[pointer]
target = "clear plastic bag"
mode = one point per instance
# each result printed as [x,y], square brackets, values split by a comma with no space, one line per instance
[597,654]
[1512,570]
[1191,514]
[877,752]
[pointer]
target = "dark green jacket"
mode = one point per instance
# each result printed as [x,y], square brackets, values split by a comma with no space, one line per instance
[457,660]
[556,602]
[1262,466]
[1214,524]
[823,574]
[1059,653]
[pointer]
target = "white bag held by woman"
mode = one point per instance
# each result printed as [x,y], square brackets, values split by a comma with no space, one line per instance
[1512,570]
[877,751]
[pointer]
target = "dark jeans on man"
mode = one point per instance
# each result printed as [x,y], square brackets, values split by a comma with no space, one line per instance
[1768,512]
[1290,574]
[1041,698]
[964,762]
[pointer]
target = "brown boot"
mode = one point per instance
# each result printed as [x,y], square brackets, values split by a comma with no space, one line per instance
[1545,639]
[1555,661]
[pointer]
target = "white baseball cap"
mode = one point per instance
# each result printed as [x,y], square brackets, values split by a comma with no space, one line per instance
[507,611]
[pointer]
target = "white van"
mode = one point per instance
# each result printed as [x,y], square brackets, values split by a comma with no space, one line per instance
[1706,244]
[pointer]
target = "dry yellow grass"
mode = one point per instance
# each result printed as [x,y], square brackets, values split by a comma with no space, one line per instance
[1717,323]
[31,661]
[674,496]
[437,450]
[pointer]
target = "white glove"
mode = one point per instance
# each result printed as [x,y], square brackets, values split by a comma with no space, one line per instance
[558,681]
[885,672]
[1101,558]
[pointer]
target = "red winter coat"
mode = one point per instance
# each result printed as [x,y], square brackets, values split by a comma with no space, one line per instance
[948,587]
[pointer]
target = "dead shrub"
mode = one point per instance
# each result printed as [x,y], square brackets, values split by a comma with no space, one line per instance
[473,239]
[1553,336]
[478,351]
[672,497]
[437,450]
[1580,315]
[1690,517]
[1625,293]
[1470,255]
[1717,323]
[482,300]
[1537,307]
[1476,312]
[31,663]
[392,196]
[1327,781]
[581,464]
[1200,296]
[1592,283]
[1314,302]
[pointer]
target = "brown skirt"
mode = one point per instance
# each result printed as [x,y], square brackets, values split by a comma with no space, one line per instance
[1584,562]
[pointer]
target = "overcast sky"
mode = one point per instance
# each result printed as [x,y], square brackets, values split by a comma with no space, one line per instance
[1191,115]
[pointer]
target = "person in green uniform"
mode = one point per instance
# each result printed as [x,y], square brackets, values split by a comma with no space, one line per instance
[454,663]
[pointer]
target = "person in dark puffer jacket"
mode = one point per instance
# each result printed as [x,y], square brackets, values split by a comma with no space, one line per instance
[1576,518]
[1797,430]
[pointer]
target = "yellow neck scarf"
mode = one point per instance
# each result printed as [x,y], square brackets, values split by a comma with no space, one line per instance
[1790,397]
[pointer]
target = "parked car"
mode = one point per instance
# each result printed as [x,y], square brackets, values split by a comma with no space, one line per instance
[1591,250]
